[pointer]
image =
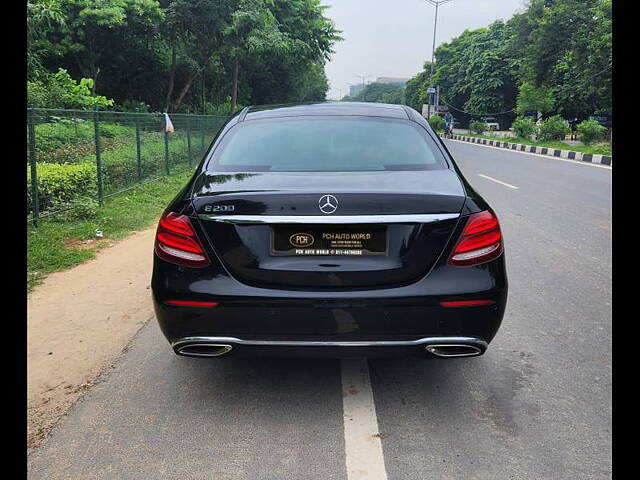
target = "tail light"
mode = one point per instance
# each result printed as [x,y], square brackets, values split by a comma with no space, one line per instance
[176,242]
[480,241]
[467,303]
[190,303]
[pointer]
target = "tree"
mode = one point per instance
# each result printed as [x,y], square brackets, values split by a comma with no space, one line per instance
[42,17]
[535,99]
[559,48]
[61,91]
[253,32]
[91,27]
[195,30]
[415,91]
[396,96]
[285,77]
[183,54]
[474,72]
[374,92]
[566,45]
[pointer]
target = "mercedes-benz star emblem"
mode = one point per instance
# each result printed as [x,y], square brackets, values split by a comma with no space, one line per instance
[328,204]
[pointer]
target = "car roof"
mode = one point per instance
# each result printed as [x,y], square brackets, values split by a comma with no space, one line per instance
[326,108]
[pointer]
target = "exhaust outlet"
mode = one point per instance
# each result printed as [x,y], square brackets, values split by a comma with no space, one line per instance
[204,349]
[453,350]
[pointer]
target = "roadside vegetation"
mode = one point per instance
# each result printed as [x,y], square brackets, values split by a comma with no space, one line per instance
[552,60]
[66,165]
[205,56]
[62,242]
[604,149]
[550,133]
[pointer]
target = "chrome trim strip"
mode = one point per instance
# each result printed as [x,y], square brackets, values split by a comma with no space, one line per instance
[465,341]
[329,219]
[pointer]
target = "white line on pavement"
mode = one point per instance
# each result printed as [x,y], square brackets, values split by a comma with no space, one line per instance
[548,157]
[498,181]
[363,448]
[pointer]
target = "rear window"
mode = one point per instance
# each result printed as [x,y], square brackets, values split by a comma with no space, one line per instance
[327,144]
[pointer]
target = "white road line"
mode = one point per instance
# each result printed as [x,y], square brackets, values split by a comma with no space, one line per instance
[498,181]
[363,447]
[548,157]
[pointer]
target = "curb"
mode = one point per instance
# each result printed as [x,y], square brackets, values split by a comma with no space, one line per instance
[570,154]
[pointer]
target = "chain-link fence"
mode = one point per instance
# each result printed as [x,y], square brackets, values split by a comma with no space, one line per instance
[77,156]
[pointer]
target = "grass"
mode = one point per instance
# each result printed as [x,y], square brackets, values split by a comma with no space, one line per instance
[56,245]
[604,149]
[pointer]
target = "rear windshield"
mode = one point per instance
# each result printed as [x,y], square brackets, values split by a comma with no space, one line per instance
[327,144]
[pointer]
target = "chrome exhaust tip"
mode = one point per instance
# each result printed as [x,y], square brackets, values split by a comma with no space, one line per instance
[454,350]
[203,349]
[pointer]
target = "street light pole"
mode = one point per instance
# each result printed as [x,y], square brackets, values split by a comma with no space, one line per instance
[437,4]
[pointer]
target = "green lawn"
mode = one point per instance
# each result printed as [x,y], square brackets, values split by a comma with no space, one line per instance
[595,149]
[57,245]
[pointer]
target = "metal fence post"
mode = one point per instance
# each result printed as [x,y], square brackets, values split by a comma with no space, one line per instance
[202,134]
[166,150]
[189,138]
[138,158]
[32,161]
[96,132]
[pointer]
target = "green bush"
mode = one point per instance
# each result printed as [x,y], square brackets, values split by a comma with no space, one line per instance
[553,128]
[589,131]
[437,123]
[478,126]
[62,182]
[59,90]
[523,127]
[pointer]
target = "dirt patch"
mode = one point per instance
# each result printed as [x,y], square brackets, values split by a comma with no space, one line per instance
[89,243]
[78,322]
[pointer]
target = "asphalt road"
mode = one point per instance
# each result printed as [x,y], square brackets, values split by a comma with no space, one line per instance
[537,405]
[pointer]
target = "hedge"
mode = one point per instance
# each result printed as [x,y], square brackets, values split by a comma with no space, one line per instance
[62,182]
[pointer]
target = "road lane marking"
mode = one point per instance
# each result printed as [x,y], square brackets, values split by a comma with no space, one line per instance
[548,157]
[498,181]
[363,447]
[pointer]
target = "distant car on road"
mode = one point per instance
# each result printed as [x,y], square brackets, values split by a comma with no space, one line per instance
[492,123]
[336,230]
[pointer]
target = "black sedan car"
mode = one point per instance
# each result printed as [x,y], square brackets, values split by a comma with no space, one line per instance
[333,229]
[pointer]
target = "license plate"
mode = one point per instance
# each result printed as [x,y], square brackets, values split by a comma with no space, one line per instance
[329,240]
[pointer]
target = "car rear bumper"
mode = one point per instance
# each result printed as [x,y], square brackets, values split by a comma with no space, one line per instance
[367,322]
[444,347]
[332,327]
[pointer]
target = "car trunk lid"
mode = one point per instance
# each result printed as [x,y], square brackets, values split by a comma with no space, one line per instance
[380,228]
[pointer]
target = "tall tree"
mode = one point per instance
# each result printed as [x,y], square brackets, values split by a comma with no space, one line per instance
[253,33]
[196,31]
[91,28]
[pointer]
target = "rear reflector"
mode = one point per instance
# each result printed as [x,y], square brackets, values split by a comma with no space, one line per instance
[191,303]
[467,303]
[176,242]
[480,241]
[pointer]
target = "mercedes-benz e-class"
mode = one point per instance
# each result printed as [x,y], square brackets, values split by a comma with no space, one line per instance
[333,229]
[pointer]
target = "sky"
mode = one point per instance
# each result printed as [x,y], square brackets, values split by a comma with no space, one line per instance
[392,38]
